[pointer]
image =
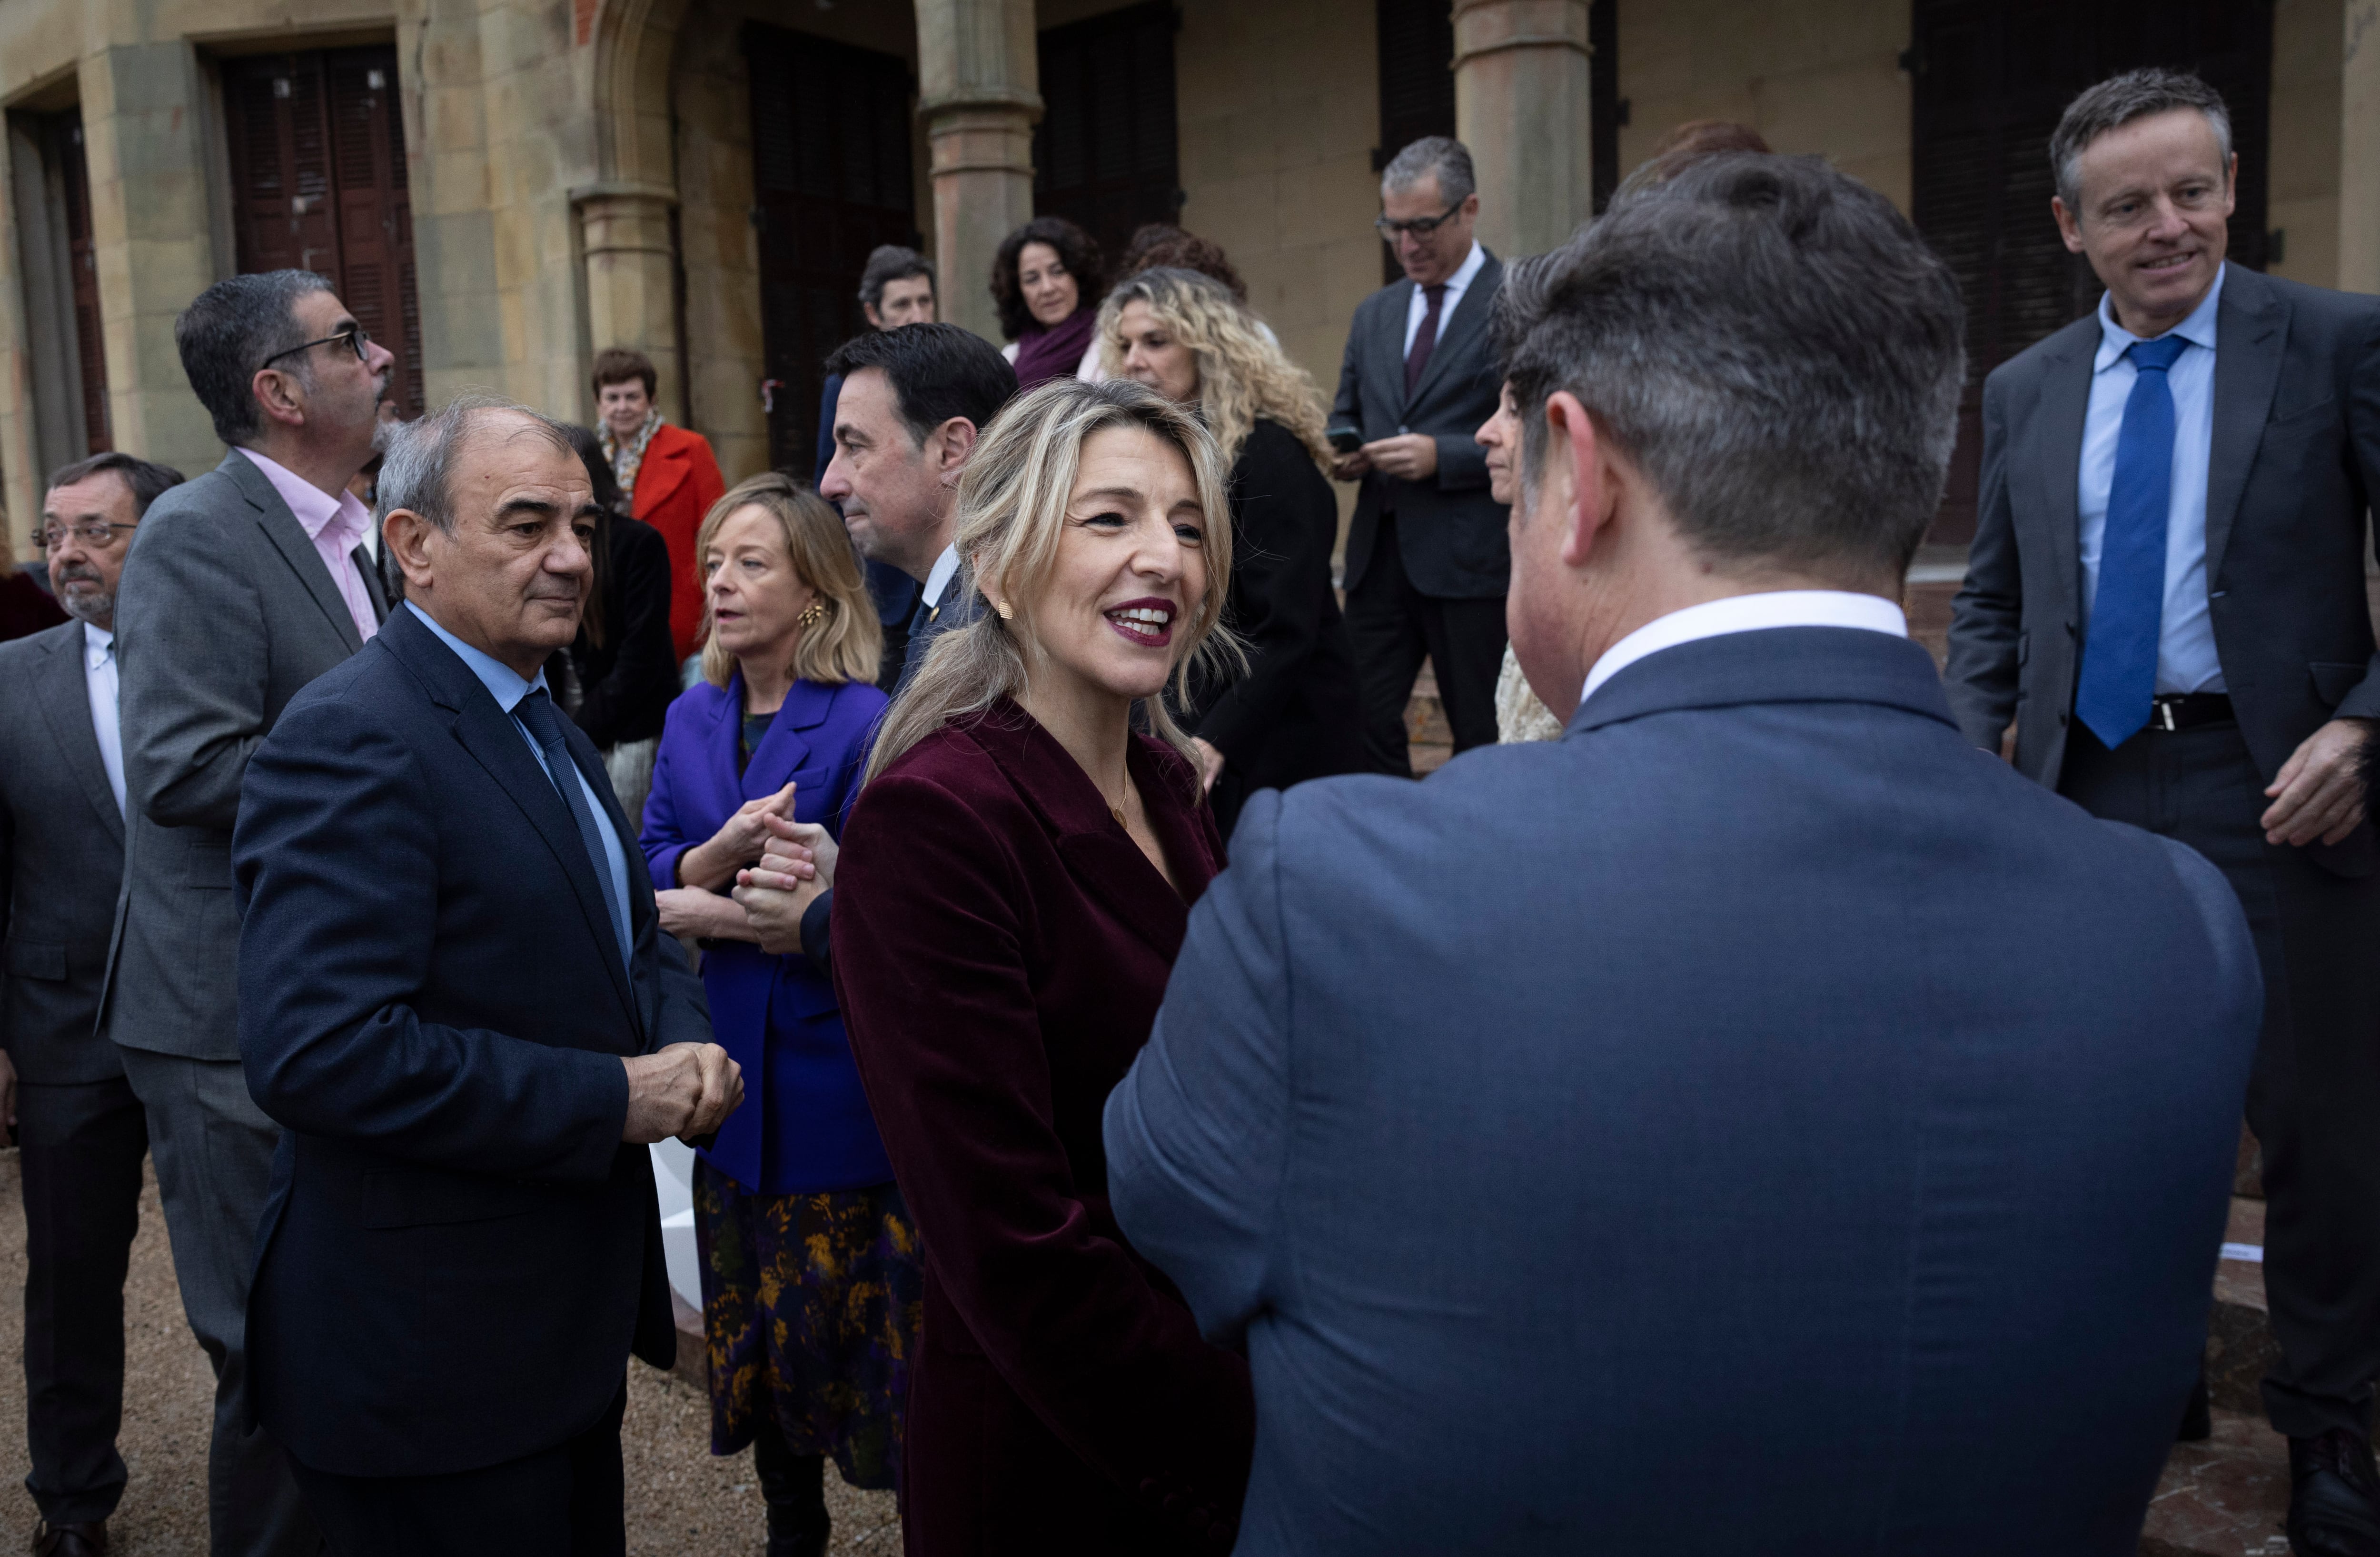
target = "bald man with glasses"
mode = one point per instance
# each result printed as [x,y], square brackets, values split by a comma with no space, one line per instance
[241,587]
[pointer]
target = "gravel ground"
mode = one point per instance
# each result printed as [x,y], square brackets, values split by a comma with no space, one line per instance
[682,1502]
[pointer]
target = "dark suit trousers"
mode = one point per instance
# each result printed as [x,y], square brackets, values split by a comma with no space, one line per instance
[82,1146]
[569,1501]
[2315,1089]
[1392,626]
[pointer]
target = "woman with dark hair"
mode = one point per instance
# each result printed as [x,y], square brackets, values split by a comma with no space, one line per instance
[623,666]
[1048,280]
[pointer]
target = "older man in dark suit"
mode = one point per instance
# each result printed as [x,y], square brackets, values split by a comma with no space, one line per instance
[1426,558]
[62,1089]
[2167,596]
[456,997]
[1742,1123]
[242,586]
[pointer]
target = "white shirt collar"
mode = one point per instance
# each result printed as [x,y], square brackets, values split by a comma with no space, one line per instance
[1460,280]
[97,644]
[503,682]
[1743,613]
[2198,329]
[937,578]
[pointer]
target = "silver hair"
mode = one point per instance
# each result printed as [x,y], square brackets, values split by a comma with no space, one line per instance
[1771,343]
[418,472]
[1444,155]
[2117,101]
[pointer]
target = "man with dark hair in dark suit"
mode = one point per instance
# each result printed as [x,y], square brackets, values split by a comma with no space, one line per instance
[2167,596]
[80,1129]
[1427,559]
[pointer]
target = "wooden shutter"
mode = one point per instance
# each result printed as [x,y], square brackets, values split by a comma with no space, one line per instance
[90,354]
[1104,154]
[1990,79]
[1416,52]
[318,184]
[1604,109]
[832,177]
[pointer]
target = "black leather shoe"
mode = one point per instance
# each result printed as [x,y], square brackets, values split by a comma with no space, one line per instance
[2334,1496]
[2197,1413]
[86,1538]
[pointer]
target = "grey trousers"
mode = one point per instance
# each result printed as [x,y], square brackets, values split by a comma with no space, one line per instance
[213,1151]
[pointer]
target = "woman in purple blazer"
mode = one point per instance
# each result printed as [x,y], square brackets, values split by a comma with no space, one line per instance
[1016,879]
[810,1270]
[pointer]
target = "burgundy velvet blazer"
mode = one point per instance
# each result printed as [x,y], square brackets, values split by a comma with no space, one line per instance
[1001,946]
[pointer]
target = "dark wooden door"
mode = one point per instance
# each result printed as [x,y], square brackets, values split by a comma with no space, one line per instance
[1104,154]
[318,184]
[832,179]
[1990,79]
[82,270]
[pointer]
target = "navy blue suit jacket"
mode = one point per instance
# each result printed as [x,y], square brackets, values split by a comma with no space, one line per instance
[1756,1121]
[459,1251]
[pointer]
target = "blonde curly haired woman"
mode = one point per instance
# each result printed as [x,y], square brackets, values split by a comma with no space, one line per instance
[1014,882]
[1295,714]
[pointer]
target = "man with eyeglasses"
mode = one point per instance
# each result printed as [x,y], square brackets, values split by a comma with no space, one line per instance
[63,1095]
[241,587]
[1426,557]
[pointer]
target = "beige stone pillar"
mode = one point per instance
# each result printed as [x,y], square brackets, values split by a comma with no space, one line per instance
[1521,105]
[626,244]
[2358,150]
[979,79]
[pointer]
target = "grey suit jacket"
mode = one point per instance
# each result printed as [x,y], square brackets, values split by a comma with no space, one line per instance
[61,862]
[2295,460]
[224,611]
[1450,532]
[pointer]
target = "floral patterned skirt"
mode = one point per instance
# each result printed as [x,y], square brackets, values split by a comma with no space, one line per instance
[810,1305]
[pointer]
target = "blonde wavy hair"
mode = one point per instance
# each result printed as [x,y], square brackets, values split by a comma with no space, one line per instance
[1241,375]
[1012,513]
[848,643]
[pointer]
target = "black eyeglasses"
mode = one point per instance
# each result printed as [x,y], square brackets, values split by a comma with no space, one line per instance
[357,340]
[94,536]
[1420,226]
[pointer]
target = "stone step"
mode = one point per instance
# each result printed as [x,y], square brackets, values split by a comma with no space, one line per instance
[1427,736]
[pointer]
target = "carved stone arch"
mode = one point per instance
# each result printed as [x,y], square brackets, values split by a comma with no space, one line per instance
[626,214]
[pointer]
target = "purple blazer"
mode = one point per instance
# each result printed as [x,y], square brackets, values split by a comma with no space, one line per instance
[805,1126]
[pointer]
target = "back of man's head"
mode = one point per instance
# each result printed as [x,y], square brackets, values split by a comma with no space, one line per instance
[1771,343]
[229,331]
[937,372]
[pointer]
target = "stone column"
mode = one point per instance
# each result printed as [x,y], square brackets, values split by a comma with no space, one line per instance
[2358,150]
[979,78]
[1521,105]
[626,244]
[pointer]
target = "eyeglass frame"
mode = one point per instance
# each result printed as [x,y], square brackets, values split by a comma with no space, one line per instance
[81,532]
[1420,226]
[358,341]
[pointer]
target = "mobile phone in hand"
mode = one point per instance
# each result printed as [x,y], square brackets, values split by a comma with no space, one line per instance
[1346,440]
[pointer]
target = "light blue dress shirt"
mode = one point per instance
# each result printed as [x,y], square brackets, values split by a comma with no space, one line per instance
[506,686]
[2186,657]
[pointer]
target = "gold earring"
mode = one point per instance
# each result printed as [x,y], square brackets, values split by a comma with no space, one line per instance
[812,614]
[1006,614]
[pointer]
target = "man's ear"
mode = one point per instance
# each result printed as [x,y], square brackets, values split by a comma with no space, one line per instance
[2070,227]
[407,536]
[954,441]
[279,396]
[1577,457]
[875,319]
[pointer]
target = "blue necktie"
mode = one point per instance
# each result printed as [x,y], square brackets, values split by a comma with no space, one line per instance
[2119,658]
[537,711]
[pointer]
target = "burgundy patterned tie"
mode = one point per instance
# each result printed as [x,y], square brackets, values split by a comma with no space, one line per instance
[1424,339]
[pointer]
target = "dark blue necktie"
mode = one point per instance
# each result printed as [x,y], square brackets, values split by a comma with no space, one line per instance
[2119,658]
[538,712]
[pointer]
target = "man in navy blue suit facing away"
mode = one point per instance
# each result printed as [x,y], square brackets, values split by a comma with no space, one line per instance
[1757,1121]
[455,1000]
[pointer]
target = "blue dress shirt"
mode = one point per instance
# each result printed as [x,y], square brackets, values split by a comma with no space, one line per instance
[507,687]
[2186,657]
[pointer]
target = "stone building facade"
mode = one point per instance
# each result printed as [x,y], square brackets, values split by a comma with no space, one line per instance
[502,186]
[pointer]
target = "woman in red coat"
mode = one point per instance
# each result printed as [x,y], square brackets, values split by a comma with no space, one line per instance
[667,473]
[1014,881]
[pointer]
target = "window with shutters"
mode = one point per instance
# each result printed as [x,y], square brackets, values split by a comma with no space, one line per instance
[832,179]
[66,352]
[1104,153]
[318,184]
[82,268]
[1990,79]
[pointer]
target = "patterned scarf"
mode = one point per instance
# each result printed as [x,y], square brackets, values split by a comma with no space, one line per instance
[626,458]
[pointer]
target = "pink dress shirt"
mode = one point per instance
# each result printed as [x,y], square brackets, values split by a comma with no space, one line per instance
[336,526]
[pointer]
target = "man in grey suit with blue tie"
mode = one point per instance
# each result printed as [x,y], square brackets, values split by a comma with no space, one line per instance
[1757,1121]
[243,585]
[2167,597]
